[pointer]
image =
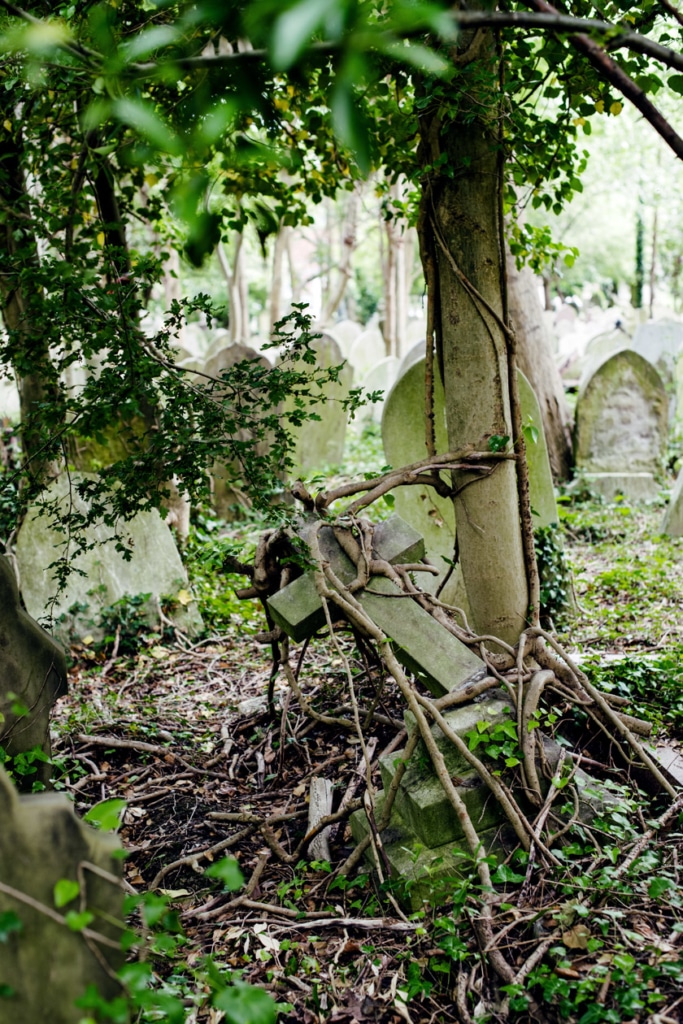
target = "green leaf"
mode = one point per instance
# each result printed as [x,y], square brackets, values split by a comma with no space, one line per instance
[150,40]
[390,500]
[658,886]
[143,118]
[675,83]
[293,30]
[246,1004]
[229,873]
[349,123]
[9,922]
[77,922]
[106,815]
[504,873]
[65,890]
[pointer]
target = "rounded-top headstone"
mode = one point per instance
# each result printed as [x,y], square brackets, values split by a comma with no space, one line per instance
[380,378]
[412,356]
[346,332]
[368,349]
[320,443]
[621,417]
[403,437]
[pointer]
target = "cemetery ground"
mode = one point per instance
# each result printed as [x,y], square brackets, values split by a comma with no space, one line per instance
[179,730]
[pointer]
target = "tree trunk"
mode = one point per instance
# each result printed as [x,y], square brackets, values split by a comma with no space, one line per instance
[21,299]
[349,241]
[535,360]
[279,252]
[461,221]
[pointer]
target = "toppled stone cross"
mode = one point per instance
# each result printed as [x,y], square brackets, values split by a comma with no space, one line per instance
[437,657]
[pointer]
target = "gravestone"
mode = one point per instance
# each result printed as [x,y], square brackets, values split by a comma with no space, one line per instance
[381,378]
[416,330]
[367,351]
[437,657]
[415,353]
[154,568]
[621,427]
[9,400]
[320,443]
[403,432]
[46,966]
[403,437]
[32,676]
[226,497]
[660,342]
[599,348]
[345,332]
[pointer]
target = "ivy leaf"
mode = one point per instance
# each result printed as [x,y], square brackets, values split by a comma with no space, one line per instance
[658,886]
[106,815]
[504,873]
[246,1004]
[228,871]
[77,922]
[9,922]
[65,890]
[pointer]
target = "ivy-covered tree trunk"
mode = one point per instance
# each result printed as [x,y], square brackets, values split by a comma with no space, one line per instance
[461,221]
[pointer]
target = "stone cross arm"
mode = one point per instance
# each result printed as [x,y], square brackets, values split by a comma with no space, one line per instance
[424,646]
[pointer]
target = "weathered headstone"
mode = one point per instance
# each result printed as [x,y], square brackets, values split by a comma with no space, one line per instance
[621,427]
[424,646]
[154,568]
[416,330]
[403,432]
[660,342]
[368,349]
[403,436]
[599,348]
[415,353]
[45,966]
[32,676]
[381,378]
[321,442]
[226,496]
[345,332]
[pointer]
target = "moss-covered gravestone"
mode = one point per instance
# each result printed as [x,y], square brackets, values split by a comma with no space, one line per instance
[227,498]
[32,676]
[403,436]
[101,575]
[621,427]
[45,966]
[320,442]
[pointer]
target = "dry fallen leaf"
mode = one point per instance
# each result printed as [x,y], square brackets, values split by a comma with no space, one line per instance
[577,937]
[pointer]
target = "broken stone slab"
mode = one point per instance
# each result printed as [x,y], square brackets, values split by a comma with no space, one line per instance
[423,645]
[32,677]
[297,608]
[101,575]
[422,800]
[46,966]
[428,875]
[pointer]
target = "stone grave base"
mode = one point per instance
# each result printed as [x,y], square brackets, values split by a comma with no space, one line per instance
[633,486]
[428,874]
[424,841]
